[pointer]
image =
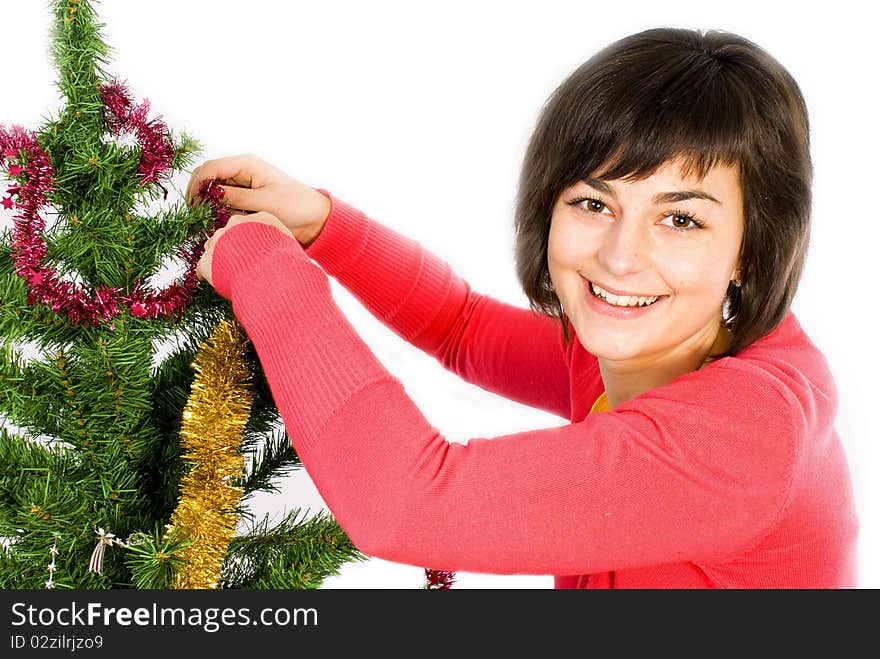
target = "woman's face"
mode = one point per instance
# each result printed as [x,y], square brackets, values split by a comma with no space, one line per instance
[641,267]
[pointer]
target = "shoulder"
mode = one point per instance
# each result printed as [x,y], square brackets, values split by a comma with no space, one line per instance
[784,369]
[765,402]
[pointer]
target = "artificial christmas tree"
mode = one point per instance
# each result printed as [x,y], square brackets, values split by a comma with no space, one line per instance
[123,467]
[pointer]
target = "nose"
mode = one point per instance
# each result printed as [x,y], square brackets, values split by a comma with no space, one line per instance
[625,247]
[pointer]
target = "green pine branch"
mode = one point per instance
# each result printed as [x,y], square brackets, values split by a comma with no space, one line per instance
[153,558]
[269,461]
[297,553]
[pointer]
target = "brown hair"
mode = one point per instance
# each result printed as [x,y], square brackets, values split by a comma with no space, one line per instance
[708,98]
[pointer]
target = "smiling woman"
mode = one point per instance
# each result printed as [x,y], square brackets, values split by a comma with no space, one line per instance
[659,243]
[710,110]
[641,280]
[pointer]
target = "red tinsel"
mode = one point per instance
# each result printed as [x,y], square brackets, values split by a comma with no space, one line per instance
[439,579]
[123,116]
[29,248]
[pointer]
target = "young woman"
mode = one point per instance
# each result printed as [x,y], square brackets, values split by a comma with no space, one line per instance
[661,228]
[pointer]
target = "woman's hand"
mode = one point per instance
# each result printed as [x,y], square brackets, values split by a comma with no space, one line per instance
[252,184]
[203,268]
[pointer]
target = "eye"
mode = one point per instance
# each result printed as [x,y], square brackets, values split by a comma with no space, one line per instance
[592,204]
[682,221]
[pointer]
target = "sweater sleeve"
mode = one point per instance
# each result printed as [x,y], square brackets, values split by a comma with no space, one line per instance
[679,473]
[510,351]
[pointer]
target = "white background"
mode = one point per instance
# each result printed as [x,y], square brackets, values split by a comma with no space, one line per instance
[420,115]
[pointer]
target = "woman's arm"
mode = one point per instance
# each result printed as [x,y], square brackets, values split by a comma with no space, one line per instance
[505,349]
[692,471]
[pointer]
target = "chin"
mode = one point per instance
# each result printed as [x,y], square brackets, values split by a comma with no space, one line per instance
[611,352]
[608,343]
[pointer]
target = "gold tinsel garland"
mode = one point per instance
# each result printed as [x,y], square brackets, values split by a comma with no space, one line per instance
[212,429]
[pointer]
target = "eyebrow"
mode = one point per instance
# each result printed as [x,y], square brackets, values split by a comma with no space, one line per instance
[660,197]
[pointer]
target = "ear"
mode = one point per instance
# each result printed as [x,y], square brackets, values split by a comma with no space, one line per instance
[736,277]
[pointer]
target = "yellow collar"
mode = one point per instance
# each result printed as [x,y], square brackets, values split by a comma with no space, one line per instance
[601,404]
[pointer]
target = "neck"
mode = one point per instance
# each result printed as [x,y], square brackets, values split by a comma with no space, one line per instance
[624,380]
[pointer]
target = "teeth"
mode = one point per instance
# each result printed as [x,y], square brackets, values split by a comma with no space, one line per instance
[622,300]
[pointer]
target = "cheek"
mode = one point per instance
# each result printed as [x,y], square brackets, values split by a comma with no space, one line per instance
[566,247]
[701,281]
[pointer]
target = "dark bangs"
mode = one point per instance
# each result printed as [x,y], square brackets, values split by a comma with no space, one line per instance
[677,104]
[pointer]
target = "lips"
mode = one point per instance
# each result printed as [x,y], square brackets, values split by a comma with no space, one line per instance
[609,303]
[623,299]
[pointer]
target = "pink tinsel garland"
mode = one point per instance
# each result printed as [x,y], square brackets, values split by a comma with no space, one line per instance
[29,248]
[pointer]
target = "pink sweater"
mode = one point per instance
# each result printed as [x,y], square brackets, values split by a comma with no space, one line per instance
[731,476]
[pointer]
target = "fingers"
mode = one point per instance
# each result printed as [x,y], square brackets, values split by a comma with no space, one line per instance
[242,199]
[242,170]
[236,218]
[258,216]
